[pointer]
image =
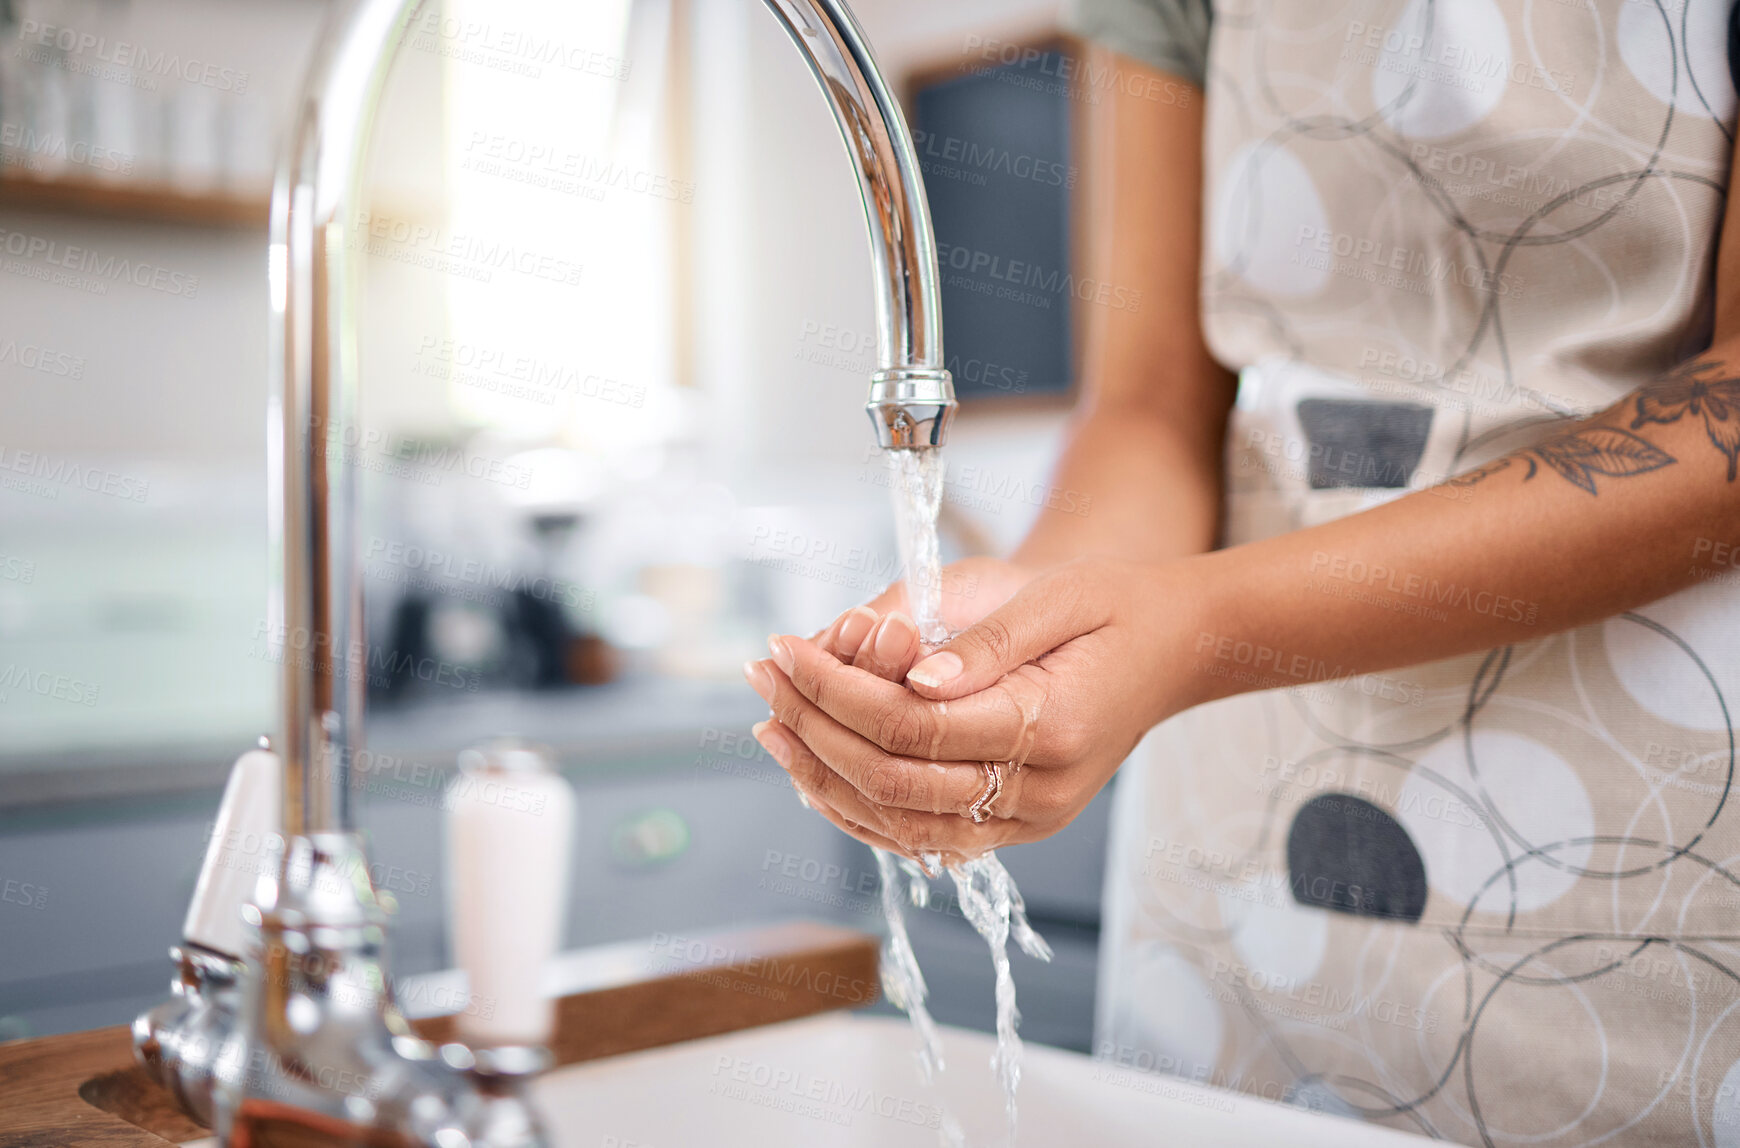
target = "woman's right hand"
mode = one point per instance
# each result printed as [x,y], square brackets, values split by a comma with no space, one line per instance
[1055,687]
[881,638]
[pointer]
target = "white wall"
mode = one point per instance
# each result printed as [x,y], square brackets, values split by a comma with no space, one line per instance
[150,602]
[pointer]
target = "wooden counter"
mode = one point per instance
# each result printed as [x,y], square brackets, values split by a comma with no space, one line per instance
[84,1091]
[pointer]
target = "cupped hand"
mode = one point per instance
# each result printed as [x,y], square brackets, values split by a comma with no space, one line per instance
[881,639]
[1064,678]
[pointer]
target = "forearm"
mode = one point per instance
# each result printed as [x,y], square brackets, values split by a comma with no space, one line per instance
[1130,484]
[1607,515]
[1140,476]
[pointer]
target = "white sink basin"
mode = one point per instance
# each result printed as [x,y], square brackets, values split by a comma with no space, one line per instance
[841,1081]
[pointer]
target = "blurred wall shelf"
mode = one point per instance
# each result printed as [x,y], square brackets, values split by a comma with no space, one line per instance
[139,201]
[134,201]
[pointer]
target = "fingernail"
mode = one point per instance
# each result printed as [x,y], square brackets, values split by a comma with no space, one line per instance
[895,637]
[759,680]
[937,669]
[772,741]
[780,651]
[854,628]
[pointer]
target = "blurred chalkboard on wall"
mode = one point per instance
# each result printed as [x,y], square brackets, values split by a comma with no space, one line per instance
[994,135]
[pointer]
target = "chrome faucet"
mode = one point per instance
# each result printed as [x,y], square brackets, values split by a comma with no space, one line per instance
[289,1028]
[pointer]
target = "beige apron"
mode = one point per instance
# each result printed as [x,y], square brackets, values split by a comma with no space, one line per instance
[1494,899]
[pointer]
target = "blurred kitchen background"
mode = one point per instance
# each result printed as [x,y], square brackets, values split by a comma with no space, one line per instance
[616,338]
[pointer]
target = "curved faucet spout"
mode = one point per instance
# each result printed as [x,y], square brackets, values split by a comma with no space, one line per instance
[255,1044]
[911,395]
[317,620]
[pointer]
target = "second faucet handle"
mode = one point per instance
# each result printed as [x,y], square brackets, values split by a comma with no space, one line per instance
[243,843]
[510,824]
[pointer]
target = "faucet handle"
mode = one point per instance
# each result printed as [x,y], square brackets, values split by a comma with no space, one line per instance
[248,818]
[510,821]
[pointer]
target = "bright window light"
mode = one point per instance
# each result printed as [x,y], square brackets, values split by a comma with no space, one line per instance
[557,188]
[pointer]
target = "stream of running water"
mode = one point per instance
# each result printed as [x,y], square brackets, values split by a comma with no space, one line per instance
[986,893]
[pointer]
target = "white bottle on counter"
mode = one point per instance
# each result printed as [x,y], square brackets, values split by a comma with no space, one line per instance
[510,825]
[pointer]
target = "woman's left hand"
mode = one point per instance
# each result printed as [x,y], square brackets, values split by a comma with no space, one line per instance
[1063,680]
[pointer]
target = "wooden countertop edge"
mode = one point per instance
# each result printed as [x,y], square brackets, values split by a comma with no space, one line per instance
[82,1090]
[40,1105]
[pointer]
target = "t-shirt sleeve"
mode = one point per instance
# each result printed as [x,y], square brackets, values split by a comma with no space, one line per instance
[1171,35]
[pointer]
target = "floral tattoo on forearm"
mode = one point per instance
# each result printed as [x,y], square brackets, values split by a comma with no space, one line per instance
[1702,389]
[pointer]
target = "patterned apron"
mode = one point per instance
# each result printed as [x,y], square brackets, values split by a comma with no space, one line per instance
[1494,899]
